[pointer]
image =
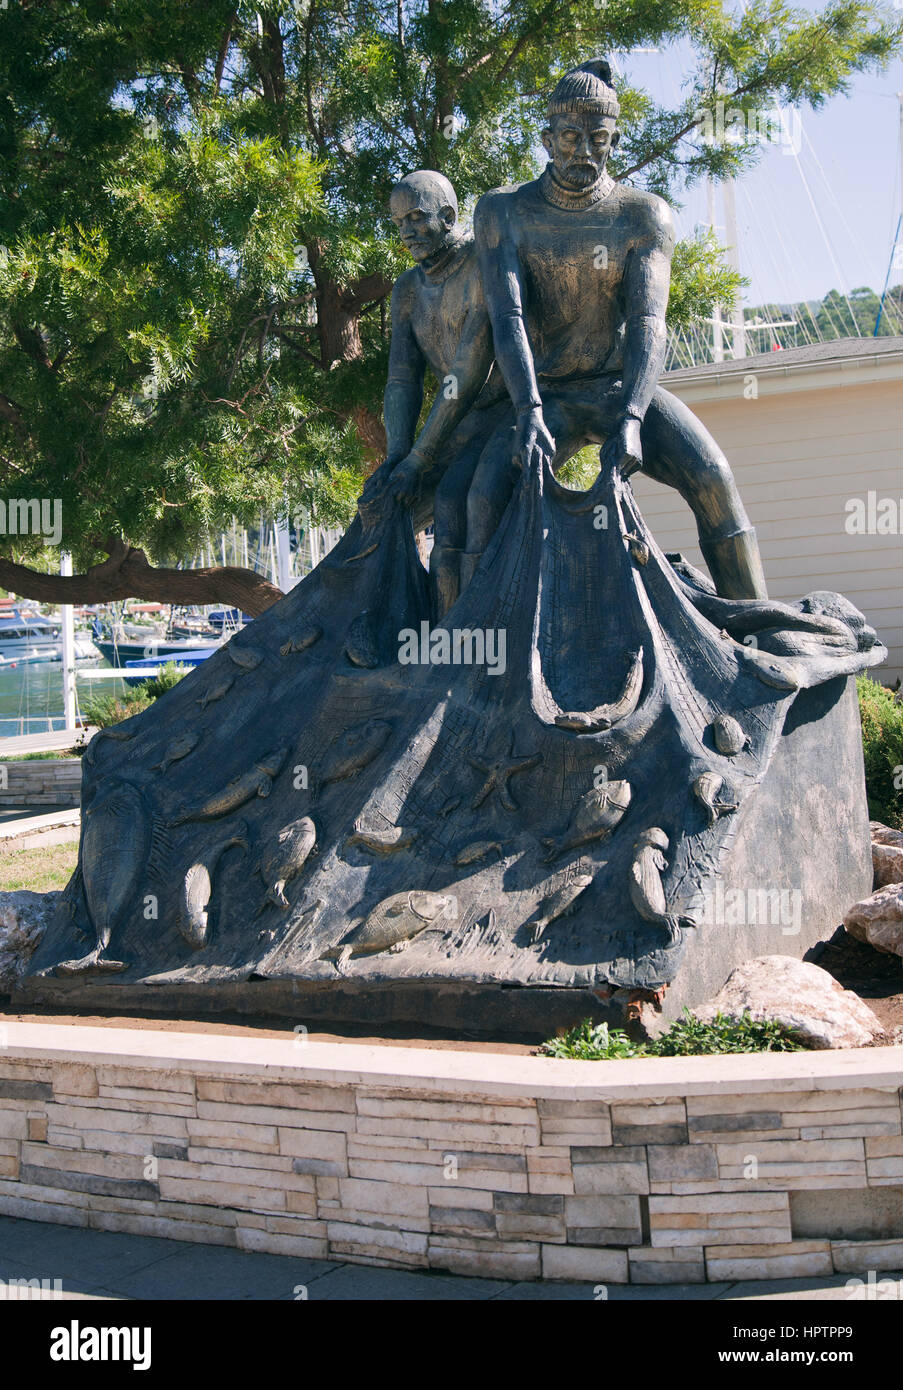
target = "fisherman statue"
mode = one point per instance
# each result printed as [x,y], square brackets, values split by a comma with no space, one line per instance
[350,812]
[575,271]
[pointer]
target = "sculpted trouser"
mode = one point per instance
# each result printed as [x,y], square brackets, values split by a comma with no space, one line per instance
[448,503]
[677,450]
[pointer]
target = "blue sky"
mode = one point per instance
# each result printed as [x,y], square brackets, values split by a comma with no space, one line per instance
[796,244]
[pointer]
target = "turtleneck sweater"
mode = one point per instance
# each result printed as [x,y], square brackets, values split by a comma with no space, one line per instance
[560,196]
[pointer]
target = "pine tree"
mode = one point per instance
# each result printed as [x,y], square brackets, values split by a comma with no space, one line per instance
[195,254]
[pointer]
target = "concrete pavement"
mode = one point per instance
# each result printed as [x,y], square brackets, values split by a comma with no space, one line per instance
[105,1265]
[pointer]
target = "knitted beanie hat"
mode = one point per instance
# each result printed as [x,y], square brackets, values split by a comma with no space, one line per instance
[586,89]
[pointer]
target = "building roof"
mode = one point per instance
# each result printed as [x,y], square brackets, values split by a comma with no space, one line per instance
[854,351]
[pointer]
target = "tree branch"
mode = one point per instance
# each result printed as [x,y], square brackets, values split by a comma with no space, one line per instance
[286,337]
[223,53]
[127,573]
[9,411]
[664,146]
[402,65]
[366,289]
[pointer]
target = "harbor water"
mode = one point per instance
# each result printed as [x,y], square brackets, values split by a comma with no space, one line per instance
[31,696]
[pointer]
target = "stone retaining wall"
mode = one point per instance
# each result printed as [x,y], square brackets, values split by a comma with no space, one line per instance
[41,782]
[654,1171]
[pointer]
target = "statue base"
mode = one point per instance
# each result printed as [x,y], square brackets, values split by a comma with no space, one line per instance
[626,788]
[809,813]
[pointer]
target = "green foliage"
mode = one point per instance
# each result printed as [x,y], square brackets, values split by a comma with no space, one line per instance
[881,712]
[121,346]
[589,1042]
[700,281]
[825,320]
[50,754]
[687,1037]
[581,471]
[167,676]
[104,710]
[195,252]
[690,1038]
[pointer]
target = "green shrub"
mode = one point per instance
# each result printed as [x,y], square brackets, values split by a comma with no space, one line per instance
[167,676]
[589,1042]
[882,742]
[687,1037]
[581,471]
[690,1038]
[50,755]
[104,710]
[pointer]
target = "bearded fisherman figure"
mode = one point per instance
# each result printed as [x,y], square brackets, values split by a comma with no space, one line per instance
[575,270]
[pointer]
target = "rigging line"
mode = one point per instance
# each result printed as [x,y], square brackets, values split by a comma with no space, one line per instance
[890,266]
[833,196]
[675,355]
[787,262]
[688,336]
[758,241]
[850,233]
[838,331]
[838,326]
[827,240]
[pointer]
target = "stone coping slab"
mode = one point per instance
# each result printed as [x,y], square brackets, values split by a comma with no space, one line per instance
[24,829]
[658,1171]
[457,1072]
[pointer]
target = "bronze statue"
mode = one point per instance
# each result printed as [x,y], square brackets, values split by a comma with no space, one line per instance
[490,852]
[576,273]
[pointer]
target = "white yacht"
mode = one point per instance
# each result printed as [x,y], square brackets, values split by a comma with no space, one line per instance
[27,637]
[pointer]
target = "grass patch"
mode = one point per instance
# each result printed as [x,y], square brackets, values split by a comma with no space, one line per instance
[596,1042]
[43,869]
[881,713]
[44,757]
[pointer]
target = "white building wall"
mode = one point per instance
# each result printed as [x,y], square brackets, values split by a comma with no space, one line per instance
[812,440]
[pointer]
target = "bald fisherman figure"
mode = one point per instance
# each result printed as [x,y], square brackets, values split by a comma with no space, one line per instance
[439,320]
[576,273]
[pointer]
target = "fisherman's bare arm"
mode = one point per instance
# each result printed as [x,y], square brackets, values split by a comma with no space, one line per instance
[647,280]
[457,393]
[403,398]
[503,289]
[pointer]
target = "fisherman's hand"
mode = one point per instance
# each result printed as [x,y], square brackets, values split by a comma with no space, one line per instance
[623,451]
[404,483]
[377,481]
[533,445]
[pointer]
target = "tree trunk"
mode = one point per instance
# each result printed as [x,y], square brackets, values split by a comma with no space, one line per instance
[338,324]
[127,574]
[372,433]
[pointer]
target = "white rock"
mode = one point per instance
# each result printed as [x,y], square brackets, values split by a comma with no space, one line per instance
[883,835]
[24,917]
[887,863]
[878,920]
[804,998]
